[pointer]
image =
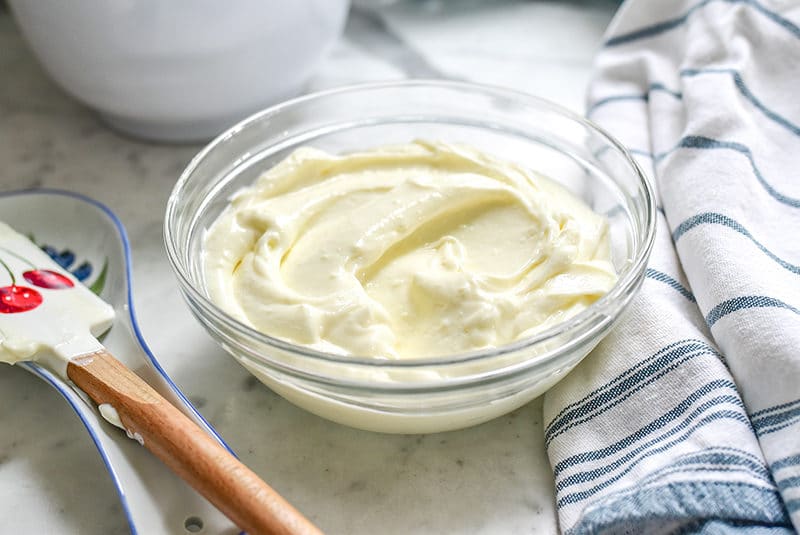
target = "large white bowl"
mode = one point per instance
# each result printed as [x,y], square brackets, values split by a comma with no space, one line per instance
[179,70]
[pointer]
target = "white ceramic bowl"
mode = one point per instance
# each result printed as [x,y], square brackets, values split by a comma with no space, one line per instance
[179,70]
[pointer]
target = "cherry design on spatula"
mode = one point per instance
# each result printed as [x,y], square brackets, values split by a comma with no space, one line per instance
[16,298]
[44,278]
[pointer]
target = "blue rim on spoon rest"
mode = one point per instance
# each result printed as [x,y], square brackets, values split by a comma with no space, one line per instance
[83,232]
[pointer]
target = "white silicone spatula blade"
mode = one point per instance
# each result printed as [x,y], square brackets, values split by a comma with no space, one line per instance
[45,313]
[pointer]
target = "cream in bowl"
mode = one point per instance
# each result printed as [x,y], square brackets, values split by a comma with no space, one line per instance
[410,286]
[417,250]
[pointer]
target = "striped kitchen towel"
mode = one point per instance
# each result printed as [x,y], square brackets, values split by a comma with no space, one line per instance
[686,418]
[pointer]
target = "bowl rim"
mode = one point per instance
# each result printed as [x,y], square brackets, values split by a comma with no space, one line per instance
[615,299]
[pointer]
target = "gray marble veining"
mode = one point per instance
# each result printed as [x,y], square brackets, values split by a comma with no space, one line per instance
[493,478]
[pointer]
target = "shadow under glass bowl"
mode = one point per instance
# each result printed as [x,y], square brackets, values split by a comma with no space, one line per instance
[432,394]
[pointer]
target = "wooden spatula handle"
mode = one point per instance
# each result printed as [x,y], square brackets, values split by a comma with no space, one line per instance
[188,450]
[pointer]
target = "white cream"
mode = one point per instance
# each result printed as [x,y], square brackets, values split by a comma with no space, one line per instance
[407,251]
[110,415]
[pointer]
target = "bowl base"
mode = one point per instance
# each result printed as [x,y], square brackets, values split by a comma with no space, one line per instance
[190,130]
[196,131]
[403,421]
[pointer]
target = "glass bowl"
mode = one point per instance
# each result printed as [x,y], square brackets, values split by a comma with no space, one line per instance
[433,394]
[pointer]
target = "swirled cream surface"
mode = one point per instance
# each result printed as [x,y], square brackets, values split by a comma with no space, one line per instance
[405,251]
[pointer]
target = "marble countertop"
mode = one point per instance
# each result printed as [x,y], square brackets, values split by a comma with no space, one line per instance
[493,478]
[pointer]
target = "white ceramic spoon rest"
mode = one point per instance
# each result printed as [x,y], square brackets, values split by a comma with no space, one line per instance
[153,498]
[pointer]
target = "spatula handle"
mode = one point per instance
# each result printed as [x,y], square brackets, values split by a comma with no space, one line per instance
[186,449]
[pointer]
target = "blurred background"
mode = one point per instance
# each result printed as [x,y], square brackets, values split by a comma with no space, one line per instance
[183,71]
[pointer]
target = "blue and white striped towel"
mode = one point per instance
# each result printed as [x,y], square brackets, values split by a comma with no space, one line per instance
[687,416]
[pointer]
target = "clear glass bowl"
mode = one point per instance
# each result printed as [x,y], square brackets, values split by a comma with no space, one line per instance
[434,394]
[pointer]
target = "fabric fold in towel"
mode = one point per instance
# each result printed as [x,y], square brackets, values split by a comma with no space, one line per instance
[686,418]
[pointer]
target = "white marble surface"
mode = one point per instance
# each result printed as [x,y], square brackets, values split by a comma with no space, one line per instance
[493,478]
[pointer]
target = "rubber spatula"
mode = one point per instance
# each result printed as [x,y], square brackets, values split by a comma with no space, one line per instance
[48,316]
